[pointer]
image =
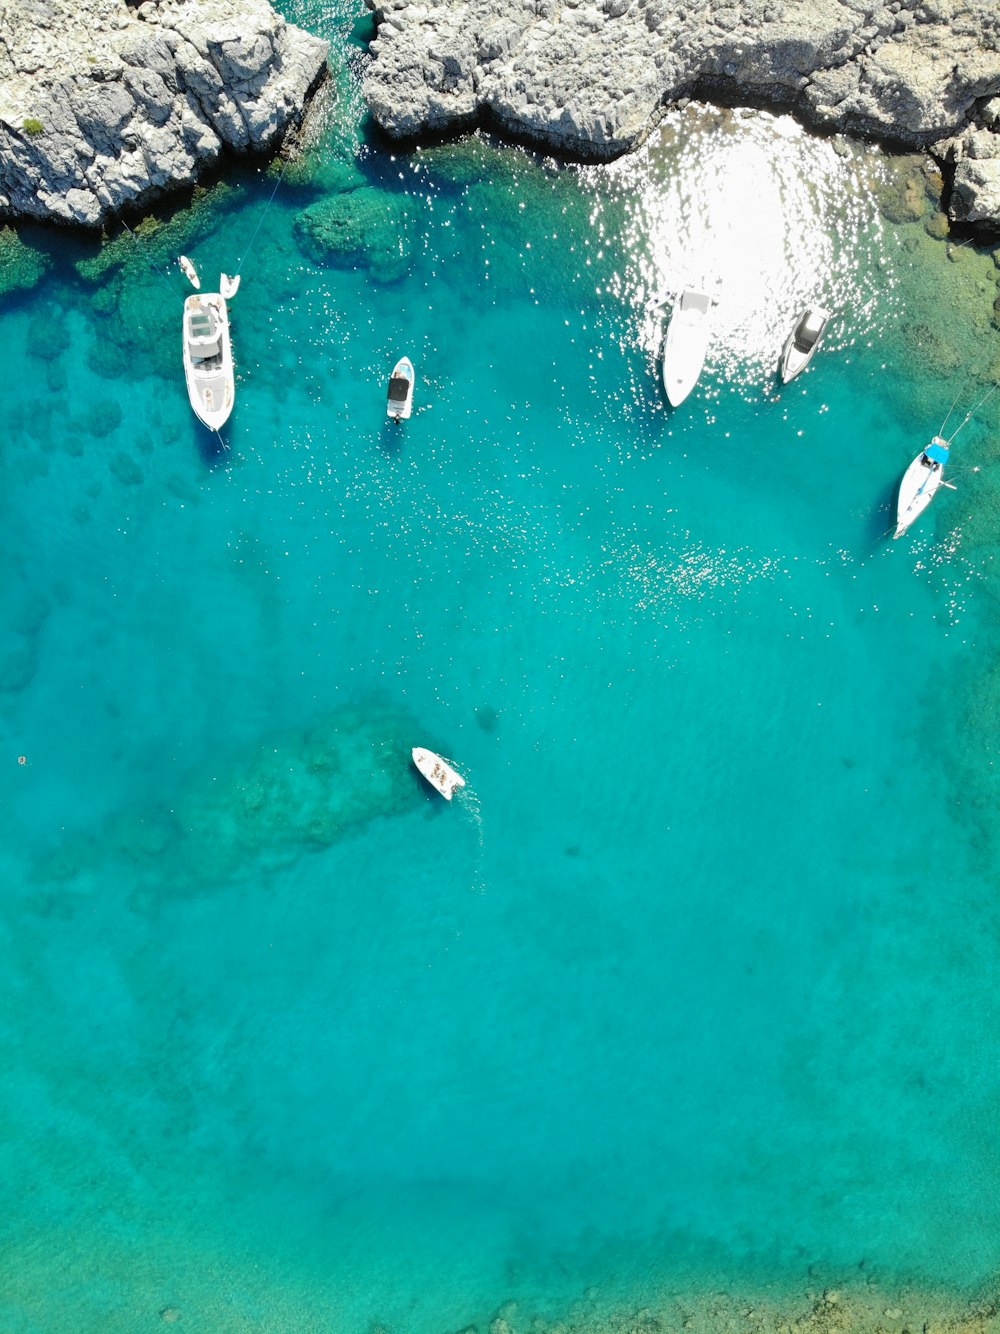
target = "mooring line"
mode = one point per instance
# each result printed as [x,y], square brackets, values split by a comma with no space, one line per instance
[260,223]
[149,263]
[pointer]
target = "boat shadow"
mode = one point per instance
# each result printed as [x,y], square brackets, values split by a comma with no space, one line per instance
[212,448]
[390,438]
[879,521]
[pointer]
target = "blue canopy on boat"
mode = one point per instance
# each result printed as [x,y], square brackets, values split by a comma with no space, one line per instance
[937,453]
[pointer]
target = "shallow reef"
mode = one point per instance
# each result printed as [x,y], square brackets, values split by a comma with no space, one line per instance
[157,240]
[48,338]
[293,794]
[364,227]
[131,274]
[301,792]
[850,1308]
[910,188]
[958,356]
[22,267]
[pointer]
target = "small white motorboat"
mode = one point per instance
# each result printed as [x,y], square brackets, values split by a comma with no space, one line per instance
[920,481]
[399,403]
[686,343]
[189,271]
[208,358]
[803,341]
[438,772]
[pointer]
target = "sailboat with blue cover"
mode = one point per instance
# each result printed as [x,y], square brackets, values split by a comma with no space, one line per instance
[920,481]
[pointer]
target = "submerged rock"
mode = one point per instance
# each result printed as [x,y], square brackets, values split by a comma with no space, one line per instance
[903,199]
[48,338]
[104,105]
[104,417]
[21,266]
[125,468]
[299,793]
[363,226]
[296,793]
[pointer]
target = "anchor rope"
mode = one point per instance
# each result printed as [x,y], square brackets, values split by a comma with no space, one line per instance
[260,221]
[969,415]
[953,402]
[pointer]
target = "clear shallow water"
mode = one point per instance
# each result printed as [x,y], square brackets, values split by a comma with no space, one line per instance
[701,974]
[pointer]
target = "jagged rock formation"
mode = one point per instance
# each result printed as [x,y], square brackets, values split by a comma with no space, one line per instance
[587,77]
[103,105]
[975,196]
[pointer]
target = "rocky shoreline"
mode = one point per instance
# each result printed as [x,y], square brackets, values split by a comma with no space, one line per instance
[104,105]
[589,78]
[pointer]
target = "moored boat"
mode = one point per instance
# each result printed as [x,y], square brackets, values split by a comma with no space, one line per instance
[399,403]
[920,481]
[189,271]
[686,343]
[208,358]
[438,772]
[803,341]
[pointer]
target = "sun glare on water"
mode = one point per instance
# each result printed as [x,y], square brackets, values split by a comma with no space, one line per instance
[753,210]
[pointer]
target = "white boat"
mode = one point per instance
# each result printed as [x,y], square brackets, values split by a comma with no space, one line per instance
[399,403]
[803,341]
[920,481]
[208,358]
[686,343]
[189,271]
[438,772]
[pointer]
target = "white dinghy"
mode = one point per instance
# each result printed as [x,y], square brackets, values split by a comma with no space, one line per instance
[920,481]
[399,403]
[189,271]
[686,343]
[438,772]
[803,341]
[208,358]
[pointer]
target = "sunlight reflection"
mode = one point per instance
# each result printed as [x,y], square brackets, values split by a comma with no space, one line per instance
[754,208]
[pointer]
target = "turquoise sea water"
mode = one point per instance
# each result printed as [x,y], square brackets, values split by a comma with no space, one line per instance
[700,975]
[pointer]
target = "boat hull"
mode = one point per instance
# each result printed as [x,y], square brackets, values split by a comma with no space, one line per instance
[395,408]
[796,355]
[917,489]
[684,349]
[793,362]
[210,387]
[438,772]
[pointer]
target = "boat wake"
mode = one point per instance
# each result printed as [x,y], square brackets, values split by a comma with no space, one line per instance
[468,801]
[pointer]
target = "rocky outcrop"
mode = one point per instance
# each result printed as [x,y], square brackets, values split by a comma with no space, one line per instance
[103,105]
[587,77]
[975,194]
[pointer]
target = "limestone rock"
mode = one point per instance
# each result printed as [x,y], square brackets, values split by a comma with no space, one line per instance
[587,77]
[975,195]
[103,106]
